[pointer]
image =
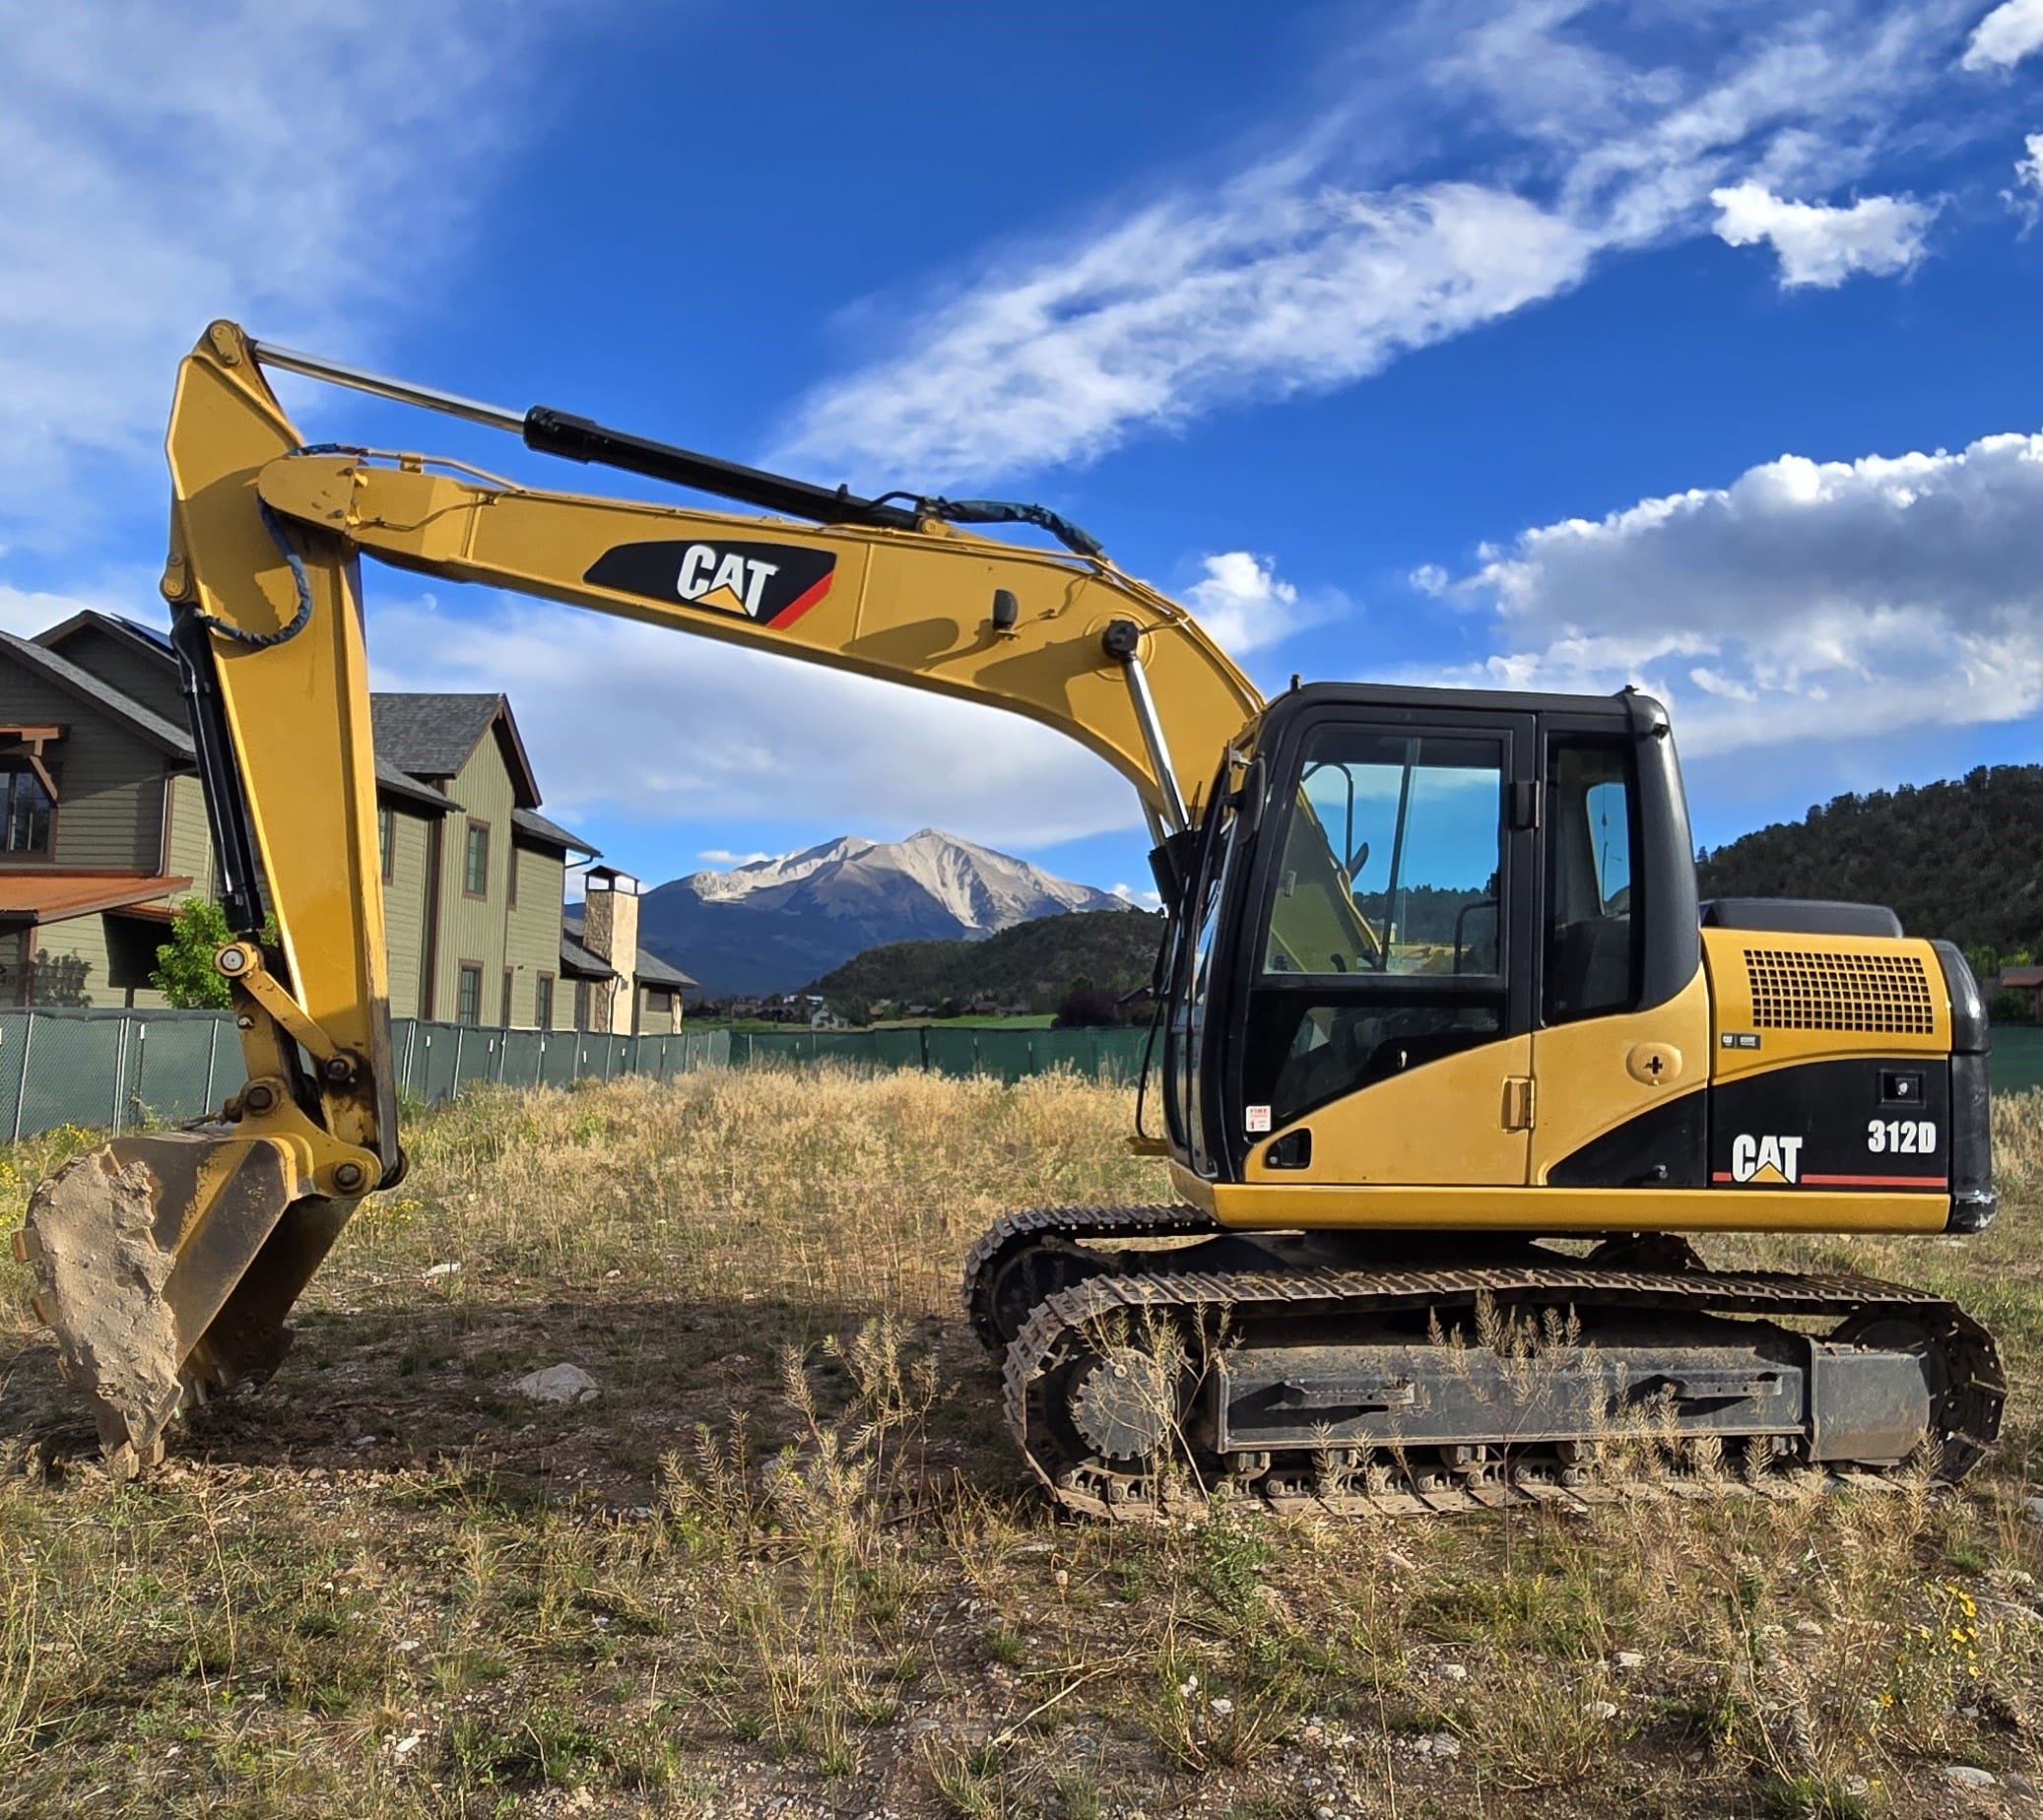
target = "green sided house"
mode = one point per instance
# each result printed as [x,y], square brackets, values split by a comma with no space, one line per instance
[102,831]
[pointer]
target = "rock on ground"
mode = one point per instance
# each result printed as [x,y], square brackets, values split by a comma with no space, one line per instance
[558,1384]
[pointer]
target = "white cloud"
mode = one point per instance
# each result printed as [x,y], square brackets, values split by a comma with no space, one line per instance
[25,611]
[1806,601]
[722,856]
[1309,271]
[1241,602]
[1141,899]
[305,170]
[2005,35]
[669,730]
[2028,177]
[1820,245]
[1280,285]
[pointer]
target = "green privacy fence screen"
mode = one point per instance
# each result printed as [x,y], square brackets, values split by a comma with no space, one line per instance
[120,1069]
[954,1049]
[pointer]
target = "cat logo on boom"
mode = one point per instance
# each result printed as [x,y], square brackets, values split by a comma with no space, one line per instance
[1765,1159]
[772,584]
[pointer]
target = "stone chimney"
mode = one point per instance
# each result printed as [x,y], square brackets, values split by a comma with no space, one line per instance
[610,931]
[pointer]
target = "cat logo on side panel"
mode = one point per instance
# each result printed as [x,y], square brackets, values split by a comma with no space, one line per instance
[1765,1159]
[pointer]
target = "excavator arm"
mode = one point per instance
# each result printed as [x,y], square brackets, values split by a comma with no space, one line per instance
[166,1262]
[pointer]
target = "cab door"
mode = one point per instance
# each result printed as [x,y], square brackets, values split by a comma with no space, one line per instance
[1621,1057]
[1386,1029]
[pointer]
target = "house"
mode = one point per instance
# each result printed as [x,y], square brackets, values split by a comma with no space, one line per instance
[106,831]
[645,1002]
[472,890]
[2028,982]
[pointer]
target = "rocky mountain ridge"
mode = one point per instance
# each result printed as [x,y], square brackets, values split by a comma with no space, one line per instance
[773,925]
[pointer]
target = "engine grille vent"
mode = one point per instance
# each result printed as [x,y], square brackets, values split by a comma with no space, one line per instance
[1797,990]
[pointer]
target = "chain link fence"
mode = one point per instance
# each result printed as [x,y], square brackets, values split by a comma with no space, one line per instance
[118,1071]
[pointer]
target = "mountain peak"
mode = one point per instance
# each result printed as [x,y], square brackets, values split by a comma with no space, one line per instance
[765,926]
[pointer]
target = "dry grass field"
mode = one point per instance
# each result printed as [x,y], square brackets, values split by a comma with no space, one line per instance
[786,1563]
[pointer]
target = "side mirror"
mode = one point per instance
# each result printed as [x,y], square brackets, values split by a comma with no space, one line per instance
[1360,859]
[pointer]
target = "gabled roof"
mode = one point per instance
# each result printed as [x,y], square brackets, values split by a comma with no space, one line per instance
[536,827]
[435,735]
[99,693]
[648,969]
[147,639]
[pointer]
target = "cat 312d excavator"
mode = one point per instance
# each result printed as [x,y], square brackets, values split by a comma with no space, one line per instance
[1450,1058]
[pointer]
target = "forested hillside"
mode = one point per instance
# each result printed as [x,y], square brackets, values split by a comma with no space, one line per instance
[1961,860]
[1034,966]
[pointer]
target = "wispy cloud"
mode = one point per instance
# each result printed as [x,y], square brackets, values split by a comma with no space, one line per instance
[1309,271]
[2005,35]
[1819,246]
[2026,197]
[1285,284]
[167,164]
[1804,601]
[722,856]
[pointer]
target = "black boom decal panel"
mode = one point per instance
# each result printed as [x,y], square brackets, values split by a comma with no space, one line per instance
[774,584]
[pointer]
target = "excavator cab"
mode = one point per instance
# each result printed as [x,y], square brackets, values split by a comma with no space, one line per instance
[1413,879]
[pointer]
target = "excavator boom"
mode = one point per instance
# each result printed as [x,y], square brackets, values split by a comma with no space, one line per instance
[166,1262]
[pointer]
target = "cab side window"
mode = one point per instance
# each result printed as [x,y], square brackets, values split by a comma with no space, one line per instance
[1592,946]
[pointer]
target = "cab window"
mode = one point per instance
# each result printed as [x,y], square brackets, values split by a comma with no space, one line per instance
[1592,946]
[1391,858]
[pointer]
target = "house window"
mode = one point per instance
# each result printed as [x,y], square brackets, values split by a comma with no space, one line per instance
[504,1020]
[543,1002]
[510,877]
[581,1005]
[475,877]
[467,997]
[387,843]
[27,808]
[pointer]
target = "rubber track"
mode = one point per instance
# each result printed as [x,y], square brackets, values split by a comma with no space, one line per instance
[1015,1232]
[1971,1408]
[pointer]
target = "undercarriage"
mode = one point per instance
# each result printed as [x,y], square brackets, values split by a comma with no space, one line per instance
[1408,1373]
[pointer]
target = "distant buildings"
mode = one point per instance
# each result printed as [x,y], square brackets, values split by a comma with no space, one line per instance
[102,832]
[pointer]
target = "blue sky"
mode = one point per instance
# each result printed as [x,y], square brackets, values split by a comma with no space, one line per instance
[1512,341]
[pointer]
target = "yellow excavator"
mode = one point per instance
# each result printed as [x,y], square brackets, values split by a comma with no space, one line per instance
[1448,1055]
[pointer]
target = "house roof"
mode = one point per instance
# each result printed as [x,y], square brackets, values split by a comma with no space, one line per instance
[99,693]
[46,662]
[2021,976]
[434,736]
[42,896]
[148,638]
[582,963]
[535,827]
[390,778]
[649,969]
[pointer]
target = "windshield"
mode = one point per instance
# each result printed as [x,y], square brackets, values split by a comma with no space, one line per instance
[1391,857]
